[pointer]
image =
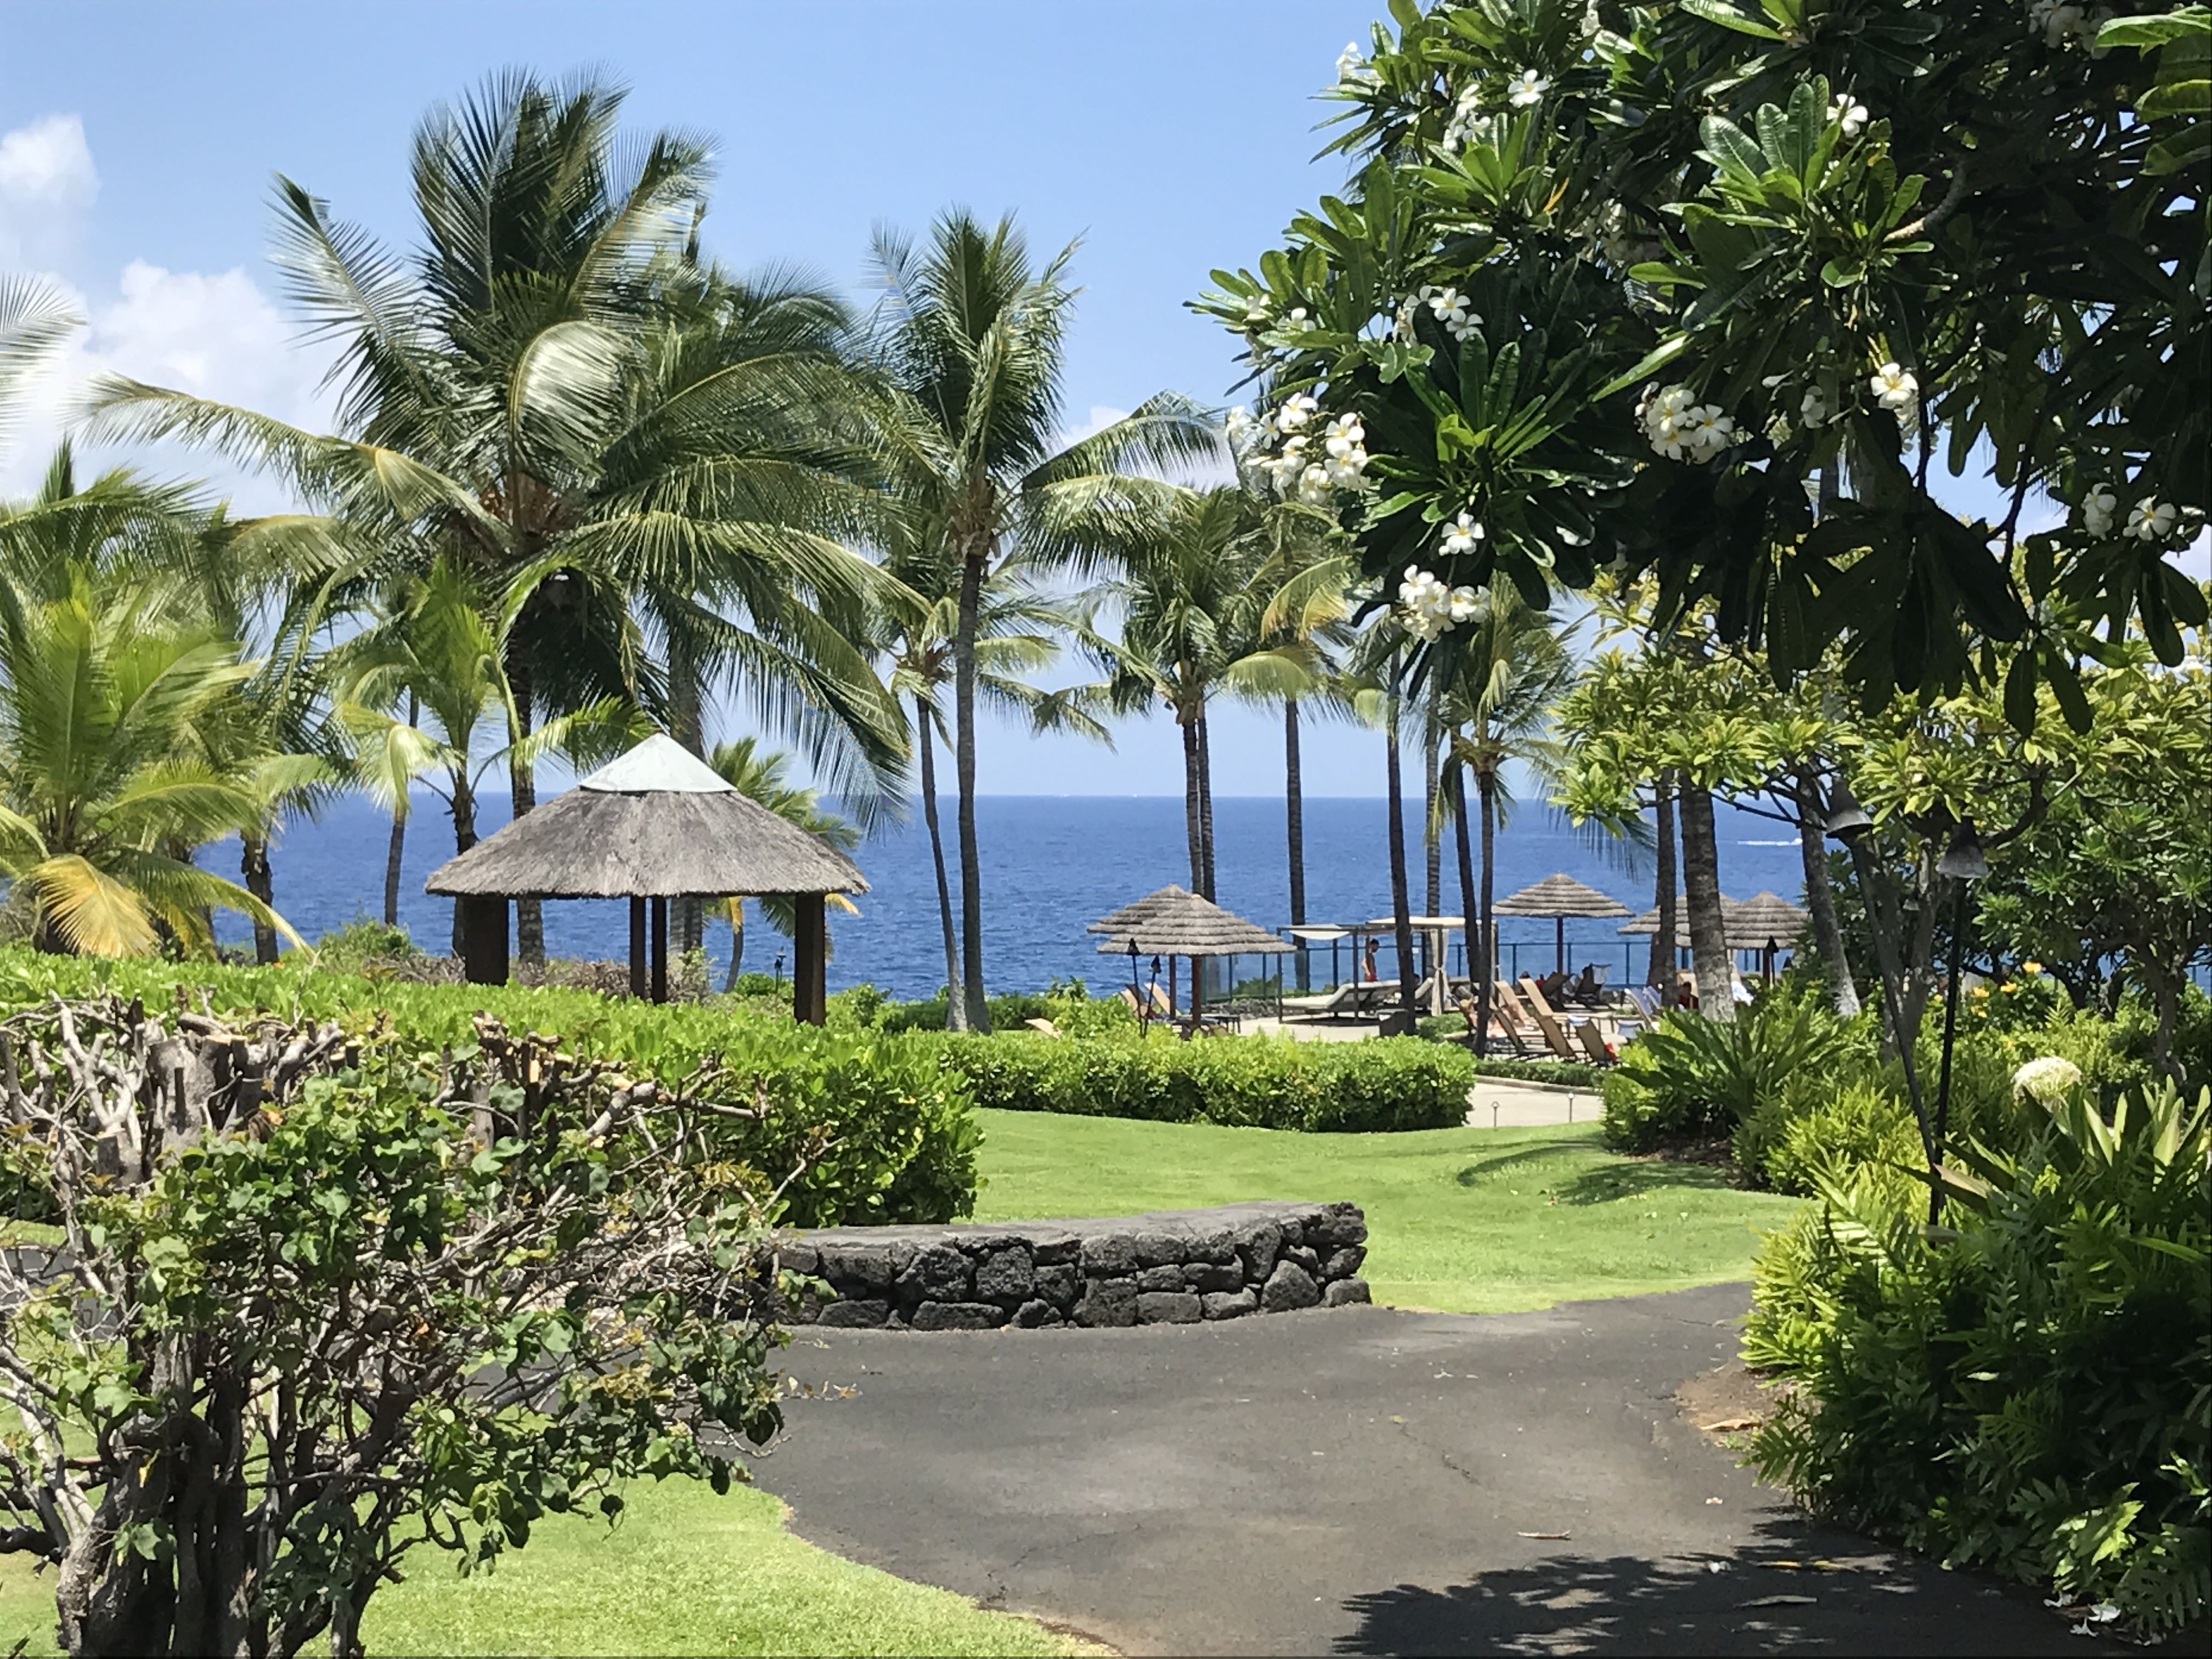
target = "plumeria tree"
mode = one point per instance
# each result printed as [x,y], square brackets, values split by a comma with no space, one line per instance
[1703,291]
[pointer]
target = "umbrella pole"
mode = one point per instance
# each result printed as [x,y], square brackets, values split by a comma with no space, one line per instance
[1559,958]
[637,947]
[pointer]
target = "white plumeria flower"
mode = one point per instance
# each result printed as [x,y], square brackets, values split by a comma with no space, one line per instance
[2045,1079]
[1351,65]
[1463,601]
[1895,388]
[1711,432]
[1526,89]
[2100,507]
[1448,307]
[1298,322]
[1236,427]
[1849,114]
[1314,485]
[1812,410]
[2153,520]
[1345,473]
[1297,409]
[1343,436]
[1255,314]
[1461,535]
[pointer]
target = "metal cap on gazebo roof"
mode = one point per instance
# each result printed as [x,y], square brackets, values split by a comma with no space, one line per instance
[656,822]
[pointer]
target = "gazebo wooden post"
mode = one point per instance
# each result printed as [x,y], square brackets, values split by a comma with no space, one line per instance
[636,947]
[1559,946]
[660,949]
[484,939]
[809,960]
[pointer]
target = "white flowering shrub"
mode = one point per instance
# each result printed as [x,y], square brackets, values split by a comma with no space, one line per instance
[2045,1078]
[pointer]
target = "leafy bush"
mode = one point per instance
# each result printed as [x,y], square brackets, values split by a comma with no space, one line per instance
[1690,1076]
[902,1141]
[1272,1083]
[364,939]
[1824,1134]
[323,1301]
[2023,1389]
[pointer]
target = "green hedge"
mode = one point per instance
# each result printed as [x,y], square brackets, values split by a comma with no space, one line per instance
[904,1139]
[1393,1083]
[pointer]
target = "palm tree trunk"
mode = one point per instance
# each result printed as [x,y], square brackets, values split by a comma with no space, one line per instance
[1432,824]
[1400,917]
[260,881]
[1192,834]
[1469,915]
[465,836]
[398,844]
[688,915]
[1294,826]
[522,778]
[1205,805]
[1819,898]
[971,860]
[956,1006]
[1701,890]
[394,850]
[1666,884]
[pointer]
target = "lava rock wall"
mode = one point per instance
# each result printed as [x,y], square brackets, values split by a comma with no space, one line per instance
[1170,1268]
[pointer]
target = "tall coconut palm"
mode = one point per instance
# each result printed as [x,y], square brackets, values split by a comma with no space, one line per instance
[552,385]
[1491,695]
[35,321]
[441,645]
[972,337]
[762,775]
[102,790]
[1018,628]
[1197,597]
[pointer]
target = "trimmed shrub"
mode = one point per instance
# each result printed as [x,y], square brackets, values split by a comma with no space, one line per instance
[1269,1083]
[1689,1076]
[1822,1132]
[901,1139]
[2021,1388]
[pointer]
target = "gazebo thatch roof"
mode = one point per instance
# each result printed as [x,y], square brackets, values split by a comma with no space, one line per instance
[655,823]
[1174,922]
[1560,895]
[1748,924]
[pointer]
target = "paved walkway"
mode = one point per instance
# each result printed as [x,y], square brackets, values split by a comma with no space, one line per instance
[1357,1481]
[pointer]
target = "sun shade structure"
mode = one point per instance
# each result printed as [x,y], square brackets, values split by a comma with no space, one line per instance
[1176,922]
[655,824]
[1749,924]
[1560,896]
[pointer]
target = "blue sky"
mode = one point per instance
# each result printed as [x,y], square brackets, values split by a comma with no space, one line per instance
[137,142]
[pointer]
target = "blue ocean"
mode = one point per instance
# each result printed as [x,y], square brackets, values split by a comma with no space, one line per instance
[1051,865]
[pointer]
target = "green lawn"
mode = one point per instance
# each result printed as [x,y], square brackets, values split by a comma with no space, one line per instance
[686,1572]
[1465,1221]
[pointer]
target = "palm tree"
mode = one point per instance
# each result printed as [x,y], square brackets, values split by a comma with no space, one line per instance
[439,646]
[555,385]
[760,775]
[101,789]
[1491,696]
[1018,628]
[35,321]
[1199,590]
[971,338]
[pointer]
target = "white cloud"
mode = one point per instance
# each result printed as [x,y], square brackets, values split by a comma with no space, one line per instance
[216,334]
[47,184]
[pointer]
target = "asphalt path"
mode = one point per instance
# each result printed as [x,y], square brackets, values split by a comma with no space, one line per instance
[1352,1481]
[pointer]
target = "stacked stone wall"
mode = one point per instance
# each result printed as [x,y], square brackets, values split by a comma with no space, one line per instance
[1173,1266]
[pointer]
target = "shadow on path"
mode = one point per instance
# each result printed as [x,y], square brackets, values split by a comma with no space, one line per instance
[1781,1594]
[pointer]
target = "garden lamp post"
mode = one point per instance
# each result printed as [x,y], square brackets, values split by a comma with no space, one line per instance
[1964,863]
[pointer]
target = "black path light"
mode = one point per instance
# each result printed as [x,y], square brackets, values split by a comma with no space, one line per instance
[1964,863]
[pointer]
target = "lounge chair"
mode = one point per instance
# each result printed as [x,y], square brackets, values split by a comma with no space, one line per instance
[1548,1021]
[1594,1044]
[1526,1032]
[1344,1000]
[1045,1027]
[1502,1028]
[1646,999]
[1129,1000]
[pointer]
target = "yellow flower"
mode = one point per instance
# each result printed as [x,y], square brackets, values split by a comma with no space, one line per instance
[2030,967]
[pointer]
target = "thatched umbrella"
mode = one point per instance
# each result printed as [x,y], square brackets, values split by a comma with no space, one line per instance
[1560,896]
[1175,922]
[1770,920]
[655,824]
[1748,924]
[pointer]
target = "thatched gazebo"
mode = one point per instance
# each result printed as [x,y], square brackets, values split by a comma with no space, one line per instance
[653,824]
[1560,896]
[1748,924]
[1176,922]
